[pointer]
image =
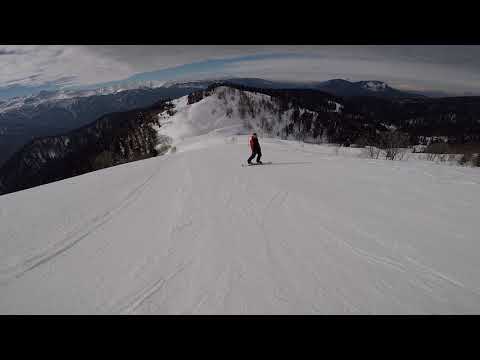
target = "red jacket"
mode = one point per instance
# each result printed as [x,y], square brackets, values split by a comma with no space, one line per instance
[254,144]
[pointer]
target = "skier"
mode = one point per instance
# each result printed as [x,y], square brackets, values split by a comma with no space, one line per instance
[255,147]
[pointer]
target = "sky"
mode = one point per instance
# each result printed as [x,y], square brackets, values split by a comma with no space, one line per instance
[27,69]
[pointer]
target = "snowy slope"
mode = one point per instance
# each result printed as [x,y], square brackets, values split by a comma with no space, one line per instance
[194,232]
[220,112]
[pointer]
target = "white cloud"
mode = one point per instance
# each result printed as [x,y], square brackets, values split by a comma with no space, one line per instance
[40,64]
[452,67]
[402,73]
[36,65]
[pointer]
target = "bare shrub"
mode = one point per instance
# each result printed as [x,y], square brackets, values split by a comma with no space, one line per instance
[163,149]
[393,142]
[268,127]
[371,152]
[242,111]
[436,151]
[263,121]
[473,159]
[437,148]
[442,157]
[476,160]
[103,160]
[401,154]
[362,142]
[336,149]
[464,159]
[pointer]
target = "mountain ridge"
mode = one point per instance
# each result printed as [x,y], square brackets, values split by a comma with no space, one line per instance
[308,115]
[44,117]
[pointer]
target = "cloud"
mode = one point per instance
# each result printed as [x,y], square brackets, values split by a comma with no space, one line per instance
[157,57]
[418,74]
[9,52]
[30,79]
[456,67]
[36,65]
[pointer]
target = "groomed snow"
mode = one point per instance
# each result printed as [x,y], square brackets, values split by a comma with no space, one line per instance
[194,232]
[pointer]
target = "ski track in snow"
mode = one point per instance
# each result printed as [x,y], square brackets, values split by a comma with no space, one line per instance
[70,240]
[198,234]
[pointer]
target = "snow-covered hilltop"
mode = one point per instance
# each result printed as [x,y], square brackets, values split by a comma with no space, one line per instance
[320,230]
[232,112]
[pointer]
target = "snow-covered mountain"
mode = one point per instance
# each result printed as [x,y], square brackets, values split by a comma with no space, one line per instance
[248,82]
[55,112]
[293,114]
[50,113]
[193,232]
[235,111]
[52,96]
[372,88]
[338,87]
[45,96]
[218,108]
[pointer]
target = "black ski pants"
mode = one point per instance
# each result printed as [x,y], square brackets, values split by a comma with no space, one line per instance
[256,152]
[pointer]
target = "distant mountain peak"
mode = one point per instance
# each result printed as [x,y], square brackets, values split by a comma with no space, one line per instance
[374,85]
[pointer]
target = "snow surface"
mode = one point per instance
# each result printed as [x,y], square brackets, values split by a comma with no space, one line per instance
[321,230]
[194,232]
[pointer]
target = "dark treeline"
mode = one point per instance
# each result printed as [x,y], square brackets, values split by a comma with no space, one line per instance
[113,139]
